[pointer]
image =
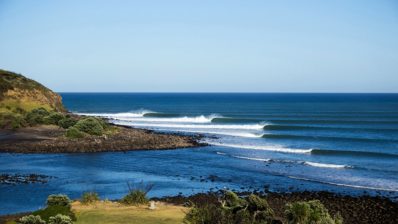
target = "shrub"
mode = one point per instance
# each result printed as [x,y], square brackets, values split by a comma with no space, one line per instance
[58,199]
[259,209]
[233,201]
[67,122]
[90,125]
[12,120]
[232,209]
[60,219]
[17,122]
[54,210]
[209,213]
[135,197]
[309,212]
[73,132]
[137,194]
[31,219]
[36,116]
[102,122]
[89,197]
[53,118]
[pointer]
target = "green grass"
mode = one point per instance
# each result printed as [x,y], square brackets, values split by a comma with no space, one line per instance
[10,105]
[115,213]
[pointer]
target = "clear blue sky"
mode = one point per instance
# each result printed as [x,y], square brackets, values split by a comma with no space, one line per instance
[203,46]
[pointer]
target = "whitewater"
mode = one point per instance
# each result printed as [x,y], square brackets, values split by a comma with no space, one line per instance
[316,141]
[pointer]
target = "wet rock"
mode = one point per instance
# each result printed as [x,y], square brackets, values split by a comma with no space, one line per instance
[23,178]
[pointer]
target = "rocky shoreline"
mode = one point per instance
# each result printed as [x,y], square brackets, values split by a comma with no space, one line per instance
[14,179]
[51,139]
[354,210]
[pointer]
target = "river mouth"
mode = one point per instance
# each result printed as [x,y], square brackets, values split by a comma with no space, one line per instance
[172,172]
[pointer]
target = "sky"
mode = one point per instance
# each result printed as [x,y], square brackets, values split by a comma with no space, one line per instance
[203,45]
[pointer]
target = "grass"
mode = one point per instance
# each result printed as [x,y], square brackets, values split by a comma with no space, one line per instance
[9,105]
[107,212]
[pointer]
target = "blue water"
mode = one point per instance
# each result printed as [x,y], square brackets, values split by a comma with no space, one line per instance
[344,143]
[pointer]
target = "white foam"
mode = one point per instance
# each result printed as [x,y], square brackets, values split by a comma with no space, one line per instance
[139,116]
[326,165]
[346,185]
[192,126]
[236,134]
[127,115]
[252,158]
[266,148]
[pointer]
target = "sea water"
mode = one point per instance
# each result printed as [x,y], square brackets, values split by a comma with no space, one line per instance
[344,143]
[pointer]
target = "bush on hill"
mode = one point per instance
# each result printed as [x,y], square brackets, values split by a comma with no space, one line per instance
[10,120]
[58,199]
[309,212]
[36,116]
[90,125]
[56,204]
[53,118]
[31,219]
[60,219]
[232,209]
[54,210]
[67,122]
[73,132]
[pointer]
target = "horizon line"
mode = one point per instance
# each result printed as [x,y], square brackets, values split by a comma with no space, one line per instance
[181,92]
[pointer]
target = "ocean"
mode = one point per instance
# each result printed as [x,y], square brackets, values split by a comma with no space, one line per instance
[343,143]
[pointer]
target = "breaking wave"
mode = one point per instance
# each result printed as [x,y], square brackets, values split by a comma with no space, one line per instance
[307,163]
[325,138]
[265,148]
[326,165]
[344,185]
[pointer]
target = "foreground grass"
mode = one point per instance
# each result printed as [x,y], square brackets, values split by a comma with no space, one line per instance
[114,213]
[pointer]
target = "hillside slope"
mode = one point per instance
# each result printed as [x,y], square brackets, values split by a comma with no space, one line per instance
[18,93]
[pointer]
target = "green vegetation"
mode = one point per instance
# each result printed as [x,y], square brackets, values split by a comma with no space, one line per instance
[54,210]
[255,210]
[232,209]
[309,212]
[135,197]
[58,199]
[89,197]
[67,122]
[36,116]
[56,204]
[19,95]
[137,194]
[53,118]
[10,80]
[31,219]
[90,125]
[25,102]
[73,132]
[76,127]
[60,219]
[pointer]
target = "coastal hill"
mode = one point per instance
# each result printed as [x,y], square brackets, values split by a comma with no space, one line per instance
[33,119]
[20,93]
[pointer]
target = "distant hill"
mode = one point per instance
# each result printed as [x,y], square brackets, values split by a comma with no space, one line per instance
[19,94]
